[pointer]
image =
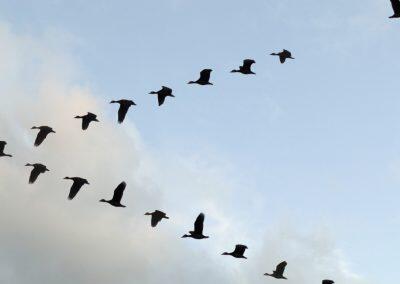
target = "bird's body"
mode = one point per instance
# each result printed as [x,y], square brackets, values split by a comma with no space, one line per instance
[326,281]
[2,146]
[87,119]
[278,273]
[238,252]
[76,186]
[162,94]
[118,192]
[36,171]
[245,68]
[197,233]
[156,217]
[396,8]
[204,78]
[283,55]
[124,106]
[42,134]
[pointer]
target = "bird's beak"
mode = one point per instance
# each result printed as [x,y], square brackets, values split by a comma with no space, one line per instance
[97,120]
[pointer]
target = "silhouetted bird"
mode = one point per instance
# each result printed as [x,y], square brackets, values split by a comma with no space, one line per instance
[36,171]
[246,67]
[156,217]
[76,186]
[204,78]
[2,146]
[87,119]
[327,282]
[162,94]
[43,132]
[285,54]
[197,233]
[118,192]
[124,106]
[396,8]
[278,273]
[238,252]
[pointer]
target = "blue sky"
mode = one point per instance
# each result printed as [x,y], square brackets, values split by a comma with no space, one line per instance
[313,142]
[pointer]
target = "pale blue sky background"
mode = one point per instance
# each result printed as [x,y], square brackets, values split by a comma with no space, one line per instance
[317,138]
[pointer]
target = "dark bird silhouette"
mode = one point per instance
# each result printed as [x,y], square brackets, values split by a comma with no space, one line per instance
[197,233]
[43,132]
[118,192]
[396,8]
[162,94]
[124,106]
[36,171]
[327,281]
[245,68]
[2,146]
[285,54]
[87,119]
[156,217]
[76,186]
[238,252]
[204,78]
[278,273]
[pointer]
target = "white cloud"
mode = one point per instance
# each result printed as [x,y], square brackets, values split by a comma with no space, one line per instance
[47,239]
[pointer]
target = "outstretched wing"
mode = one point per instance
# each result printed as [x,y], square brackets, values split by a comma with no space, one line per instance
[118,192]
[85,122]
[198,224]
[155,219]
[161,99]
[34,174]
[76,186]
[41,136]
[122,111]
[396,6]
[240,249]
[280,268]
[205,75]
[2,146]
[247,63]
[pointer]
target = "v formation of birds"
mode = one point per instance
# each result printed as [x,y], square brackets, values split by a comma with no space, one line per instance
[124,105]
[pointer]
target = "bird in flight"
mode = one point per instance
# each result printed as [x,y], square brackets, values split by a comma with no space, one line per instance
[2,146]
[156,217]
[36,171]
[197,233]
[245,68]
[87,119]
[42,134]
[76,186]
[204,78]
[162,94]
[326,281]
[396,8]
[285,54]
[238,252]
[124,106]
[118,192]
[278,273]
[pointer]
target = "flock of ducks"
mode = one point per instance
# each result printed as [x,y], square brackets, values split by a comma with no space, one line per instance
[156,216]
[162,94]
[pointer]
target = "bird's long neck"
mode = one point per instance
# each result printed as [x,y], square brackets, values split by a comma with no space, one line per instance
[234,71]
[191,82]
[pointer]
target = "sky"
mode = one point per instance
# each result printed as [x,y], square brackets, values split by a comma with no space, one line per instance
[300,162]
